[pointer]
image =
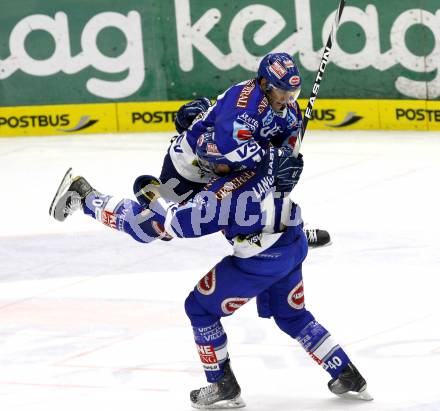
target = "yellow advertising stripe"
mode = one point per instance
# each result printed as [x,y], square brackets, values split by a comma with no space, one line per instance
[433,114]
[159,116]
[327,115]
[69,119]
[148,116]
[344,114]
[403,115]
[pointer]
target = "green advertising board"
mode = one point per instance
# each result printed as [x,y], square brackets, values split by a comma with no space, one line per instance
[77,51]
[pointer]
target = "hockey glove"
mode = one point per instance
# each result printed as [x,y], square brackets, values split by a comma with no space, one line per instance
[146,189]
[289,171]
[189,111]
[283,166]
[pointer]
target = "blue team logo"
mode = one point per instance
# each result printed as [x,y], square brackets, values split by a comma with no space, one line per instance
[268,118]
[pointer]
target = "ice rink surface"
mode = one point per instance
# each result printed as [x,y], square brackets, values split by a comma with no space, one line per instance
[92,320]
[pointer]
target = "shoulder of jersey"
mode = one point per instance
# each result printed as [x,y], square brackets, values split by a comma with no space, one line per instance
[249,97]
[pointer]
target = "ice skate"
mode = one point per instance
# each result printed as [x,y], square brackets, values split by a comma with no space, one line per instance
[317,237]
[69,195]
[223,394]
[350,384]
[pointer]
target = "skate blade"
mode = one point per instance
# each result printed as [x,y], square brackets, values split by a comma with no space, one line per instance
[65,183]
[363,395]
[236,402]
[321,246]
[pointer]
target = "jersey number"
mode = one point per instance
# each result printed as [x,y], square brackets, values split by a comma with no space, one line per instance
[177,148]
[333,363]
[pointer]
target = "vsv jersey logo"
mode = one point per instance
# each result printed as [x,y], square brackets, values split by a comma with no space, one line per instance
[247,150]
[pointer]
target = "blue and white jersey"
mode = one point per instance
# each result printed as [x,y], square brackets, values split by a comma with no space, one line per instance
[242,205]
[244,125]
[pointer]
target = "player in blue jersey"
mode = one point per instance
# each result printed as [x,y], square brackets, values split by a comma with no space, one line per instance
[252,209]
[245,120]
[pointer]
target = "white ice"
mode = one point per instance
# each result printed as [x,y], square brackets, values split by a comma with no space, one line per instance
[92,320]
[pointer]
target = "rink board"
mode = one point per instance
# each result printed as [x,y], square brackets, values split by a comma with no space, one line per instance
[328,114]
[58,119]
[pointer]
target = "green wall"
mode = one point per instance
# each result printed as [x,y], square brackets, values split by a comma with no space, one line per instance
[76,51]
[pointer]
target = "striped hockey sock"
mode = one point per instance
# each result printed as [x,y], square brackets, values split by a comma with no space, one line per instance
[212,347]
[319,344]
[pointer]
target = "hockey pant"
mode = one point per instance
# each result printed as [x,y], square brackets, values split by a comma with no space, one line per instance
[184,189]
[278,286]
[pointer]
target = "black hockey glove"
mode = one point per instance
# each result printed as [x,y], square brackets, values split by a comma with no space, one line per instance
[146,188]
[189,111]
[281,164]
[289,171]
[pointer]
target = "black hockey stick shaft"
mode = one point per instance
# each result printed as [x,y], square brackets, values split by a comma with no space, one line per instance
[320,74]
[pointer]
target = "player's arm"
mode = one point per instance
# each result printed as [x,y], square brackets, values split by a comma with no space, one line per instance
[196,218]
[216,207]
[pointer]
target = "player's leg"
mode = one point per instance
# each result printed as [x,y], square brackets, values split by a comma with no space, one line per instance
[218,294]
[287,305]
[223,390]
[75,193]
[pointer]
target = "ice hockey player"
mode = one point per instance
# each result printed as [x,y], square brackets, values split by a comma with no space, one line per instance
[246,119]
[255,214]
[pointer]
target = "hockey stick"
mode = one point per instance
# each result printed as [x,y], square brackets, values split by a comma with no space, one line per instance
[322,66]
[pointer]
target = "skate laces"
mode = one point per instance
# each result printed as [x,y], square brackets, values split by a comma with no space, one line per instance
[312,235]
[73,205]
[208,391]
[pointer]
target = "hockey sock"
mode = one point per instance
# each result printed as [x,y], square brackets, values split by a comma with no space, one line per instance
[319,344]
[124,215]
[212,347]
